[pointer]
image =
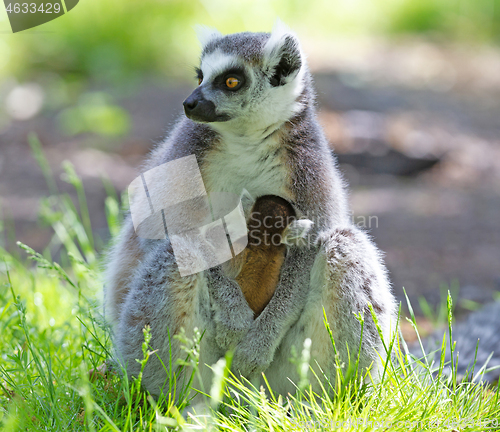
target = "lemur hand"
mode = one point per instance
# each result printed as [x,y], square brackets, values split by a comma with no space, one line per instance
[233,317]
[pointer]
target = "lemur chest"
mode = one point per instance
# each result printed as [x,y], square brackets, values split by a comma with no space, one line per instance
[260,168]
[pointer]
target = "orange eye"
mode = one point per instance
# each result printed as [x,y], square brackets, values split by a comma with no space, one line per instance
[232,82]
[200,80]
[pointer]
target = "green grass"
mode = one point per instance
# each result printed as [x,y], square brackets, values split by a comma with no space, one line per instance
[52,334]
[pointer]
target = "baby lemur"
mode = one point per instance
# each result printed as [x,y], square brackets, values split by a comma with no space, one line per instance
[257,268]
[252,125]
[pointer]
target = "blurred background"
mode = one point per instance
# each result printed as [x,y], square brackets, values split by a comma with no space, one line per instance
[408,93]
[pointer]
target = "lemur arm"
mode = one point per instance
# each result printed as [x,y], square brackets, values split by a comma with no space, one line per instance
[232,314]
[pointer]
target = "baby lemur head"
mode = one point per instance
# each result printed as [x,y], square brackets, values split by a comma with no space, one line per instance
[268,220]
[273,222]
[248,82]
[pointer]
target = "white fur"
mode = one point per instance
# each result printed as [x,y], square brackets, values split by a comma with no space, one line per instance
[235,165]
[215,63]
[271,50]
[278,34]
[296,232]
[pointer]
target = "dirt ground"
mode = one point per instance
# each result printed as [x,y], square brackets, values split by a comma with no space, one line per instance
[437,226]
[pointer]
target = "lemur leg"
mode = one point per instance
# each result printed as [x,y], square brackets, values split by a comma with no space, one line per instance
[346,276]
[160,298]
[124,258]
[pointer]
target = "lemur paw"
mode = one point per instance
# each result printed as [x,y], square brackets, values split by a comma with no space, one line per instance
[250,361]
[231,330]
[296,233]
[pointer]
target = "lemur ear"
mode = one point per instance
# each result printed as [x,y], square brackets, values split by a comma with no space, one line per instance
[206,34]
[282,55]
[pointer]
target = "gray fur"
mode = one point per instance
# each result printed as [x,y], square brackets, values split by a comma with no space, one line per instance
[247,46]
[272,145]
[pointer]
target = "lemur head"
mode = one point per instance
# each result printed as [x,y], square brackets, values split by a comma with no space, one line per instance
[248,81]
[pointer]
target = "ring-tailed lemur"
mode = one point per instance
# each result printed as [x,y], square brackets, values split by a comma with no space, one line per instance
[251,123]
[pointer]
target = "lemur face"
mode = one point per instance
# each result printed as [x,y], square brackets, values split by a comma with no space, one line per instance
[247,80]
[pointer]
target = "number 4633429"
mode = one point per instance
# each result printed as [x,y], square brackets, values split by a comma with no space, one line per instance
[33,8]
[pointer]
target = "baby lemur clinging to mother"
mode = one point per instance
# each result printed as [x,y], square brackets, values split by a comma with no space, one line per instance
[251,123]
[257,268]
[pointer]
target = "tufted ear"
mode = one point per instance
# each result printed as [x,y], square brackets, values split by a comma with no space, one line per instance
[206,34]
[282,55]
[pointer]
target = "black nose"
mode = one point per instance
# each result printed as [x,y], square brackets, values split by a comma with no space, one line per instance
[200,109]
[190,103]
